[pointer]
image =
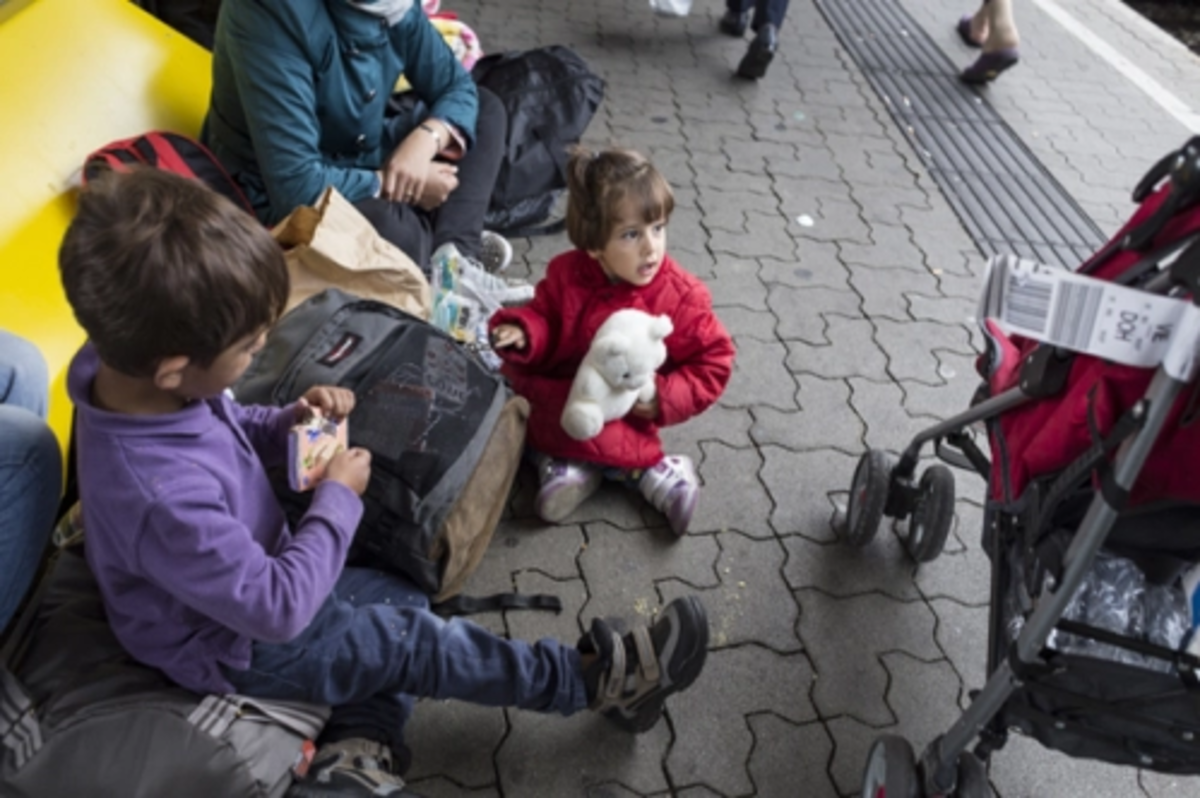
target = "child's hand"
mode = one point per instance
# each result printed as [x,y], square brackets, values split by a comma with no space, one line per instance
[352,468]
[508,335]
[646,410]
[334,403]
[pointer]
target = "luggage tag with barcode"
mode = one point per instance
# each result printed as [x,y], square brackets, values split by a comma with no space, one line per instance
[1084,314]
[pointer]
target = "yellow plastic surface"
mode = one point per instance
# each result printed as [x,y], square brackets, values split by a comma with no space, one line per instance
[74,75]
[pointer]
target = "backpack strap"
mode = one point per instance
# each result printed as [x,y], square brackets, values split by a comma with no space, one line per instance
[216,713]
[20,731]
[473,605]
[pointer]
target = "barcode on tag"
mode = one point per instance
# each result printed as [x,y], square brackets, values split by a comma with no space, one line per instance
[1075,310]
[1028,302]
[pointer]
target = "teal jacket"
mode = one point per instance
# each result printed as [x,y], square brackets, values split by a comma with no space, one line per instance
[299,91]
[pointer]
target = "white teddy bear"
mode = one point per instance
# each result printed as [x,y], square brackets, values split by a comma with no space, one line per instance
[617,371]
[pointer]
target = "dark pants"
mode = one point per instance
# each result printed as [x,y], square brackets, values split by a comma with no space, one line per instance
[374,645]
[459,220]
[772,11]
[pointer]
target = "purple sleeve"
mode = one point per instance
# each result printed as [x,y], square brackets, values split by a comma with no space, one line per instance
[194,549]
[266,428]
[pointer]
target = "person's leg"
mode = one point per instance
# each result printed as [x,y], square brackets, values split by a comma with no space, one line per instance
[995,30]
[768,16]
[23,377]
[406,226]
[30,482]
[736,17]
[459,220]
[769,12]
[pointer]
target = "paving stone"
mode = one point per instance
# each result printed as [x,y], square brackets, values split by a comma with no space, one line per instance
[733,498]
[795,308]
[800,484]
[890,248]
[745,323]
[737,284]
[851,353]
[880,406]
[887,204]
[1025,768]
[883,291]
[962,633]
[766,236]
[726,210]
[840,570]
[760,376]
[948,399]
[836,221]
[755,157]
[1164,785]
[789,759]
[910,347]
[441,787]
[923,695]
[925,304]
[533,625]
[551,755]
[730,425]
[963,576]
[454,737]
[621,569]
[816,265]
[800,194]
[736,683]
[752,603]
[518,544]
[846,638]
[825,419]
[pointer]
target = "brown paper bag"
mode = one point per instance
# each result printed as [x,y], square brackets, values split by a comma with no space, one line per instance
[332,245]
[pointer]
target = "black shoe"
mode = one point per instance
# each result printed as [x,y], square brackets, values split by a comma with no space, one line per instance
[350,768]
[762,49]
[632,676]
[734,22]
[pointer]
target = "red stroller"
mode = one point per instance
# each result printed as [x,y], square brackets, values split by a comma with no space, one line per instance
[1086,456]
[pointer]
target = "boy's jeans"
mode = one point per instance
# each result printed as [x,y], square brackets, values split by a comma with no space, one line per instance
[30,470]
[374,646]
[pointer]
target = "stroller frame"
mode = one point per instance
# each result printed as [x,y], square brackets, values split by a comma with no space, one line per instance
[945,767]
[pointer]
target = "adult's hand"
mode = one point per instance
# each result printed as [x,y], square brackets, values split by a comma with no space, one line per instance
[403,176]
[440,181]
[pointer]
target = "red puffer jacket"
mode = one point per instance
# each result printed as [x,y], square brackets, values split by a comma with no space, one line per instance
[569,306]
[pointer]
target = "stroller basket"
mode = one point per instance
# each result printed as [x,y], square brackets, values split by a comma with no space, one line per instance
[1085,455]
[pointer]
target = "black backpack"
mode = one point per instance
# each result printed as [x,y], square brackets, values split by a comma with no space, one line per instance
[445,436]
[550,95]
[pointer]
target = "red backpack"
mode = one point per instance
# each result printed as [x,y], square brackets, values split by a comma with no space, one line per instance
[173,152]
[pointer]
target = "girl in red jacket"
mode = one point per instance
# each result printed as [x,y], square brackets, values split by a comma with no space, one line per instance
[617,212]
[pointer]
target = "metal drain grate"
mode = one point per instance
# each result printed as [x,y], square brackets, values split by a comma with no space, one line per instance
[1005,198]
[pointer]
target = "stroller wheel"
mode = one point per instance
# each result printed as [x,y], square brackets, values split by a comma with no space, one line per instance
[972,777]
[891,769]
[868,495]
[933,515]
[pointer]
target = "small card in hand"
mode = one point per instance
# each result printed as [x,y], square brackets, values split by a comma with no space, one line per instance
[311,446]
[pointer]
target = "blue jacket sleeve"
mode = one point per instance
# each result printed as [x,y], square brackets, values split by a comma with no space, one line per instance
[276,83]
[435,74]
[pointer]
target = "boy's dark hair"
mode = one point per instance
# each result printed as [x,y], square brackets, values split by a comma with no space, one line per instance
[598,183]
[157,265]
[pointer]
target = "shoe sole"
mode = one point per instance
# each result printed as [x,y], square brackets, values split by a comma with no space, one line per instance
[754,64]
[691,615]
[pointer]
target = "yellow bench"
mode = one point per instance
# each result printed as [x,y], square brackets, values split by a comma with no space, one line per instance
[76,75]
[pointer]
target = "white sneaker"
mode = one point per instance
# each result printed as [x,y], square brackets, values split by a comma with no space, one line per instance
[495,253]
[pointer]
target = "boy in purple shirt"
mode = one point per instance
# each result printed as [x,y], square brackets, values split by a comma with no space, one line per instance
[200,574]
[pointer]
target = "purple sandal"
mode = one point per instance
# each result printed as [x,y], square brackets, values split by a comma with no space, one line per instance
[989,66]
[964,32]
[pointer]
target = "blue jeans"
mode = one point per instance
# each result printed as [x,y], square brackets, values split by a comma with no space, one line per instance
[772,11]
[374,646]
[30,470]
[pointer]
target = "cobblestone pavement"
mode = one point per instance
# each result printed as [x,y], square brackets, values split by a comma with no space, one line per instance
[852,332]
